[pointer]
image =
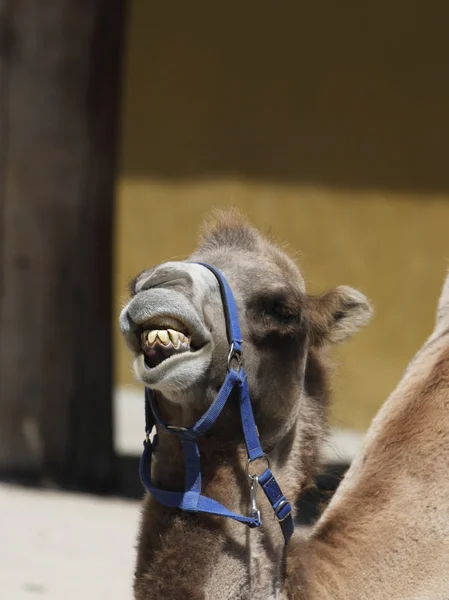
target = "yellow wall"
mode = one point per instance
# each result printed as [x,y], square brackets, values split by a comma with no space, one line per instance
[342,153]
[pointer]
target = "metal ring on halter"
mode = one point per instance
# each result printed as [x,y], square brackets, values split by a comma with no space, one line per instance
[264,457]
[254,511]
[176,428]
[282,503]
[234,355]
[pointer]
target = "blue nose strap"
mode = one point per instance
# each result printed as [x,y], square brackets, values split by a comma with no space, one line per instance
[191,499]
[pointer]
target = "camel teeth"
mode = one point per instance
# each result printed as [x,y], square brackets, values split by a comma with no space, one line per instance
[174,337]
[162,334]
[166,337]
[152,335]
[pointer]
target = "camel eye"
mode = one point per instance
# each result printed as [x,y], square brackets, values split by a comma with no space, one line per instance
[281,312]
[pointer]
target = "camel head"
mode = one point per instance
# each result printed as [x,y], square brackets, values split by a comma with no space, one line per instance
[175,326]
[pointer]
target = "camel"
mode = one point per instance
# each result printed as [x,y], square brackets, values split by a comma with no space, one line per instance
[176,324]
[385,533]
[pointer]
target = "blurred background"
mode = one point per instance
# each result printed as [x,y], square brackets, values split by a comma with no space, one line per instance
[332,132]
[123,124]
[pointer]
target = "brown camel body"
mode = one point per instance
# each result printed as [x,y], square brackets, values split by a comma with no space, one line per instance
[385,534]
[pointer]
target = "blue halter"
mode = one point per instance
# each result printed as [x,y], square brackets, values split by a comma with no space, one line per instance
[191,499]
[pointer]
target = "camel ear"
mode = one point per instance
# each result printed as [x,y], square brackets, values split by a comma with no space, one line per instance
[336,315]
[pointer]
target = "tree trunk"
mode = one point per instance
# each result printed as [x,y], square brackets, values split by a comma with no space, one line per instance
[59,89]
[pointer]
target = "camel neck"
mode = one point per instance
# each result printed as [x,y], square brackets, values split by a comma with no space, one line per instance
[223,558]
[217,456]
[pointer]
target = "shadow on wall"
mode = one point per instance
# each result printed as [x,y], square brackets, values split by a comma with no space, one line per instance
[341,95]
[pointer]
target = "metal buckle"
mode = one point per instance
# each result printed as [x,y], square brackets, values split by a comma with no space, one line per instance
[234,355]
[176,428]
[254,512]
[282,503]
[148,434]
[251,460]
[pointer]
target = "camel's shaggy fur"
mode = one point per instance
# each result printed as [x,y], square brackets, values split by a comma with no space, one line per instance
[385,534]
[286,335]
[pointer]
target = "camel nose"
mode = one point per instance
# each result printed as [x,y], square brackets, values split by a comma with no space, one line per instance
[173,274]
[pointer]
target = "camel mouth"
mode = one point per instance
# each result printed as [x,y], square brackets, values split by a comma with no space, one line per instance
[160,344]
[163,338]
[171,342]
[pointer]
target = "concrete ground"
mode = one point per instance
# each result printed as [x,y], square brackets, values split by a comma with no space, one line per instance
[60,546]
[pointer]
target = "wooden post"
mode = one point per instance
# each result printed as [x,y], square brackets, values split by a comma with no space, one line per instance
[59,90]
